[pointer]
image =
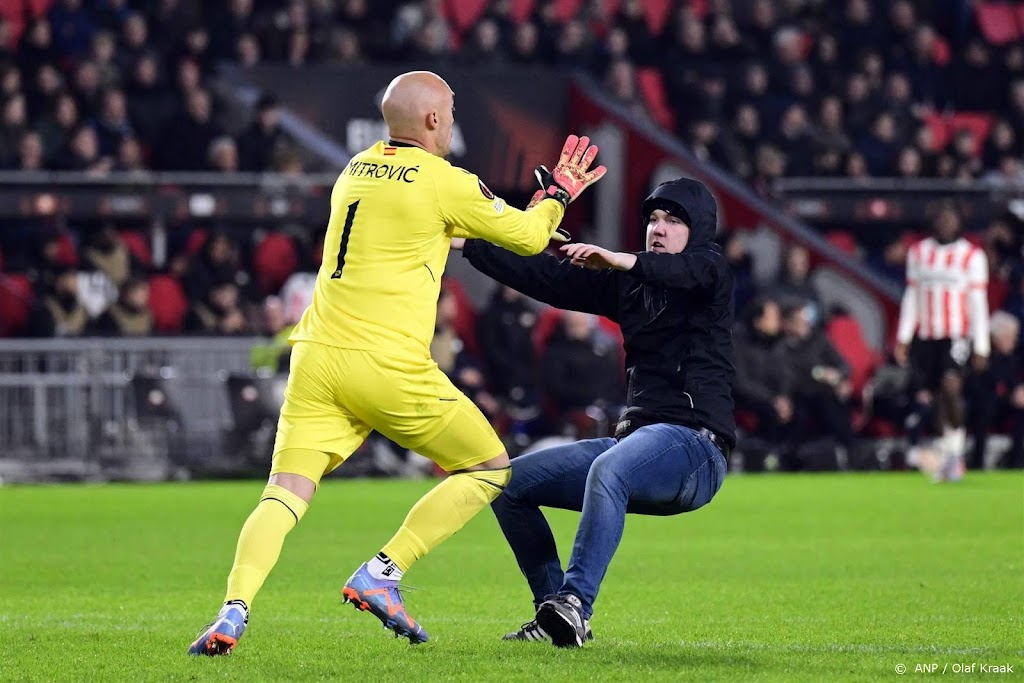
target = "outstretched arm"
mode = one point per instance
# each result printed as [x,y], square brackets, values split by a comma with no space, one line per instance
[545,278]
[695,270]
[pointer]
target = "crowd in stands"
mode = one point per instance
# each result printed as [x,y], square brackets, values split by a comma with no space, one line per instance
[803,371]
[109,85]
[764,89]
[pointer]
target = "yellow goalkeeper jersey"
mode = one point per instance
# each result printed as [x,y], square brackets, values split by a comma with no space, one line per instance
[394,210]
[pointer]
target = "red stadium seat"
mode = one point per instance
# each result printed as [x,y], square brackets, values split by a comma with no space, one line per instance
[975,238]
[196,241]
[657,13]
[464,13]
[997,22]
[67,252]
[522,9]
[168,303]
[945,127]
[38,8]
[845,334]
[138,245]
[844,241]
[273,260]
[652,90]
[976,122]
[700,8]
[567,9]
[998,291]
[910,238]
[16,299]
[941,52]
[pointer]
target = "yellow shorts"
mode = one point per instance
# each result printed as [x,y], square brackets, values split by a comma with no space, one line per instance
[336,396]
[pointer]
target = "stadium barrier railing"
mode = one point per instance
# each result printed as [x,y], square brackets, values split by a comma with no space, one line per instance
[115,408]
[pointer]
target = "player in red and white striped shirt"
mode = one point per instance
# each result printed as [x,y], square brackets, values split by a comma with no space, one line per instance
[945,314]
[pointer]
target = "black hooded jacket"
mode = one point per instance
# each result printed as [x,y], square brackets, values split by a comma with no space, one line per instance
[675,311]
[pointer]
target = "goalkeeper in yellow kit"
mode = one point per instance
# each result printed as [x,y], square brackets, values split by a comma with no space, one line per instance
[361,358]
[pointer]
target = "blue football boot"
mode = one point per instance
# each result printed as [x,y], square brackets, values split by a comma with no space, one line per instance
[382,598]
[221,636]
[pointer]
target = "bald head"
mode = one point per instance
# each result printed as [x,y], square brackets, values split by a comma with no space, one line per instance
[418,107]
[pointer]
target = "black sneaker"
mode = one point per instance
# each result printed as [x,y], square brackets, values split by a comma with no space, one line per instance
[561,618]
[530,631]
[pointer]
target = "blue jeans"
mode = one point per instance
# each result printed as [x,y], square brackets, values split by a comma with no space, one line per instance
[660,469]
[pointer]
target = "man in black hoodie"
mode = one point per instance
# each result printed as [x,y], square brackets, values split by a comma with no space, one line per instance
[674,305]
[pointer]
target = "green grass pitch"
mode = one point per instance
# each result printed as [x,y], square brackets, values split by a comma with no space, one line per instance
[787,578]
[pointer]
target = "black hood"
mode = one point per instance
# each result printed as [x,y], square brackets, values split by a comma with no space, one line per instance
[689,200]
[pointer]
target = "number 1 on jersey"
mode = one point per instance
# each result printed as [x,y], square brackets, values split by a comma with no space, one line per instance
[346,230]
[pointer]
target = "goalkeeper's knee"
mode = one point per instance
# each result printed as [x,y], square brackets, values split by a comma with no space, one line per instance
[488,483]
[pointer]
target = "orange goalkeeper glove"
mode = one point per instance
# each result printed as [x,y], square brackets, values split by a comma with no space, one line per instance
[572,174]
[543,176]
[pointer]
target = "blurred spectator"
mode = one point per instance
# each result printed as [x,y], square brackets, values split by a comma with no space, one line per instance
[345,48]
[580,366]
[505,331]
[72,27]
[742,266]
[880,147]
[794,285]
[58,313]
[1001,142]
[223,155]
[891,261]
[573,48]
[135,42]
[450,354]
[247,50]
[274,354]
[621,84]
[85,85]
[821,386]
[129,316]
[995,395]
[30,153]
[763,383]
[149,103]
[794,141]
[218,262]
[103,53]
[82,153]
[970,87]
[258,143]
[112,124]
[218,312]
[186,143]
[36,48]
[12,127]
[106,252]
[235,18]
[130,156]
[484,48]
[525,48]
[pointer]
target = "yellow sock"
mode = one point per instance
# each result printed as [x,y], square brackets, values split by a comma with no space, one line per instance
[259,544]
[444,510]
